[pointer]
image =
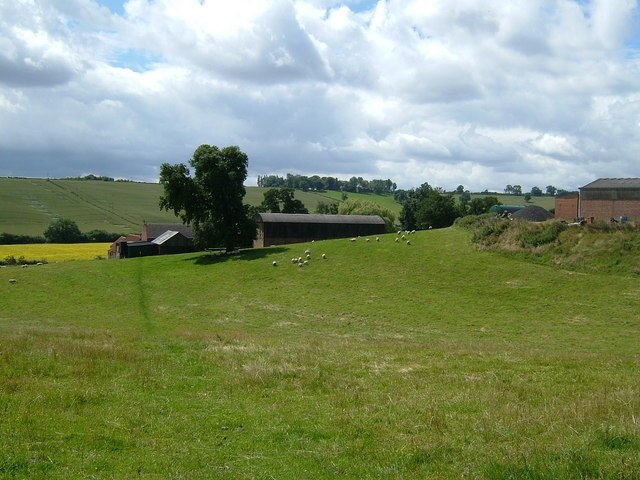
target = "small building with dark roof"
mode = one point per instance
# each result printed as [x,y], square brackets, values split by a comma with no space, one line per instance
[284,228]
[115,249]
[608,198]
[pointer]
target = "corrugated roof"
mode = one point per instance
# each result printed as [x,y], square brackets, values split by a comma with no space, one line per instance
[159,240]
[613,183]
[154,230]
[317,218]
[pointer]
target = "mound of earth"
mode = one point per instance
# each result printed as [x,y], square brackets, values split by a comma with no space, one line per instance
[532,213]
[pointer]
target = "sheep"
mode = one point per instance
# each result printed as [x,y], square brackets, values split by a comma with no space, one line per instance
[307,252]
[274,263]
[294,260]
[397,239]
[377,239]
[368,240]
[300,264]
[306,262]
[352,239]
[399,232]
[308,256]
[25,265]
[12,280]
[408,242]
[39,263]
[324,257]
[413,231]
[403,237]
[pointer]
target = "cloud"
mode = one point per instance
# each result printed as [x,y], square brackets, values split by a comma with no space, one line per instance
[529,92]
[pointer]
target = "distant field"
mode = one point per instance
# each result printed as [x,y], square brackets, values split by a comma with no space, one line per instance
[27,206]
[56,252]
[386,360]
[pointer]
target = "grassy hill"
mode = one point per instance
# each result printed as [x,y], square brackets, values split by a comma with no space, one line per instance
[27,206]
[386,360]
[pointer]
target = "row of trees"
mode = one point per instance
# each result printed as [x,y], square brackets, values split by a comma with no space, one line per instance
[315,182]
[535,191]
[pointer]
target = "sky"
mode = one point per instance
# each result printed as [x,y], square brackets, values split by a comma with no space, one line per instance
[449,92]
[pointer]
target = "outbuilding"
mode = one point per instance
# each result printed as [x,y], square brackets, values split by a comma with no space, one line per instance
[608,198]
[171,242]
[284,228]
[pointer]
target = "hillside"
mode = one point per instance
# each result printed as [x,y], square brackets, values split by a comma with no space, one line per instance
[386,360]
[28,205]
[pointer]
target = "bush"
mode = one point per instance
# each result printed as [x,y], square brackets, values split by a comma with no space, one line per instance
[63,230]
[12,239]
[542,234]
[11,261]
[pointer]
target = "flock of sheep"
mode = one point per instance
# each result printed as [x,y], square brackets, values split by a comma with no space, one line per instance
[302,261]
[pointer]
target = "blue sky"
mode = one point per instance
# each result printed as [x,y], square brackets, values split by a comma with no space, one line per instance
[484,94]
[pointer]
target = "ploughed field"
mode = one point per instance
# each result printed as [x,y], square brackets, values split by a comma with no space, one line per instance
[384,360]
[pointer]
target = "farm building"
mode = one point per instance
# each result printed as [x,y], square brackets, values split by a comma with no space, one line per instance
[154,230]
[116,247]
[566,206]
[283,228]
[171,242]
[608,198]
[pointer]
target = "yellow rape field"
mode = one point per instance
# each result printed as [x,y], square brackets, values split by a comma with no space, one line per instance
[55,252]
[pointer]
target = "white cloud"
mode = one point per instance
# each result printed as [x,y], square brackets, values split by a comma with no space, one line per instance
[530,92]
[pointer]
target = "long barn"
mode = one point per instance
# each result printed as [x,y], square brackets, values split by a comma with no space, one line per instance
[608,198]
[283,228]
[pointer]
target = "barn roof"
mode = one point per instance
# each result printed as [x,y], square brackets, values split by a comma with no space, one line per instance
[160,239]
[318,218]
[616,183]
[154,230]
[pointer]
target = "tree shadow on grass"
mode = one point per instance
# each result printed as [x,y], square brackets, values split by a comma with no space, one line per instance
[246,254]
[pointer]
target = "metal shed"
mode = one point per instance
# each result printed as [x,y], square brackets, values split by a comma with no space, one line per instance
[171,242]
[283,228]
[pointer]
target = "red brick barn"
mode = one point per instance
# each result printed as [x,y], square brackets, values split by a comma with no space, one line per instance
[566,206]
[608,198]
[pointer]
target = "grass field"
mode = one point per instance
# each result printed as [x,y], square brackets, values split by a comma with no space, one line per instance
[56,252]
[385,360]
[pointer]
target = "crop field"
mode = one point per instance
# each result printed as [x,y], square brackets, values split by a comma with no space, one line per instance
[384,360]
[29,205]
[56,252]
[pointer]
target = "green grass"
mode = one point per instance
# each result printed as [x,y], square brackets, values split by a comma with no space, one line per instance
[27,206]
[386,360]
[545,201]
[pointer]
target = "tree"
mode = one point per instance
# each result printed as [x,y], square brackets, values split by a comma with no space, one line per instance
[362,207]
[426,207]
[460,189]
[211,199]
[480,205]
[63,230]
[517,190]
[327,208]
[508,189]
[281,200]
[536,192]
[527,197]
[551,190]
[465,198]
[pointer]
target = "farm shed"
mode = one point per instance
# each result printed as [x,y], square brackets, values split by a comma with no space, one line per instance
[283,228]
[150,231]
[566,206]
[116,247]
[608,198]
[138,248]
[171,242]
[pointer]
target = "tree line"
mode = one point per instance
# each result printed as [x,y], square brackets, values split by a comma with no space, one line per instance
[318,183]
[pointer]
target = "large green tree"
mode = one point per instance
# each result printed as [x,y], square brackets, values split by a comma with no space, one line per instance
[363,207]
[63,230]
[281,200]
[426,207]
[210,199]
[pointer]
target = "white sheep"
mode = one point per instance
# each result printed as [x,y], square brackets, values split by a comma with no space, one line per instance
[377,239]
[413,231]
[274,263]
[300,264]
[307,252]
[324,256]
[308,256]
[352,239]
[399,232]
[397,239]
[306,262]
[294,260]
[408,242]
[368,240]
[25,265]
[12,280]
[403,237]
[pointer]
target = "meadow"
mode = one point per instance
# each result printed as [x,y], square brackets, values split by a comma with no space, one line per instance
[56,252]
[386,360]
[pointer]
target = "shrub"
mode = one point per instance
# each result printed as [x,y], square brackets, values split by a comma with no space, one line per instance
[540,234]
[12,239]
